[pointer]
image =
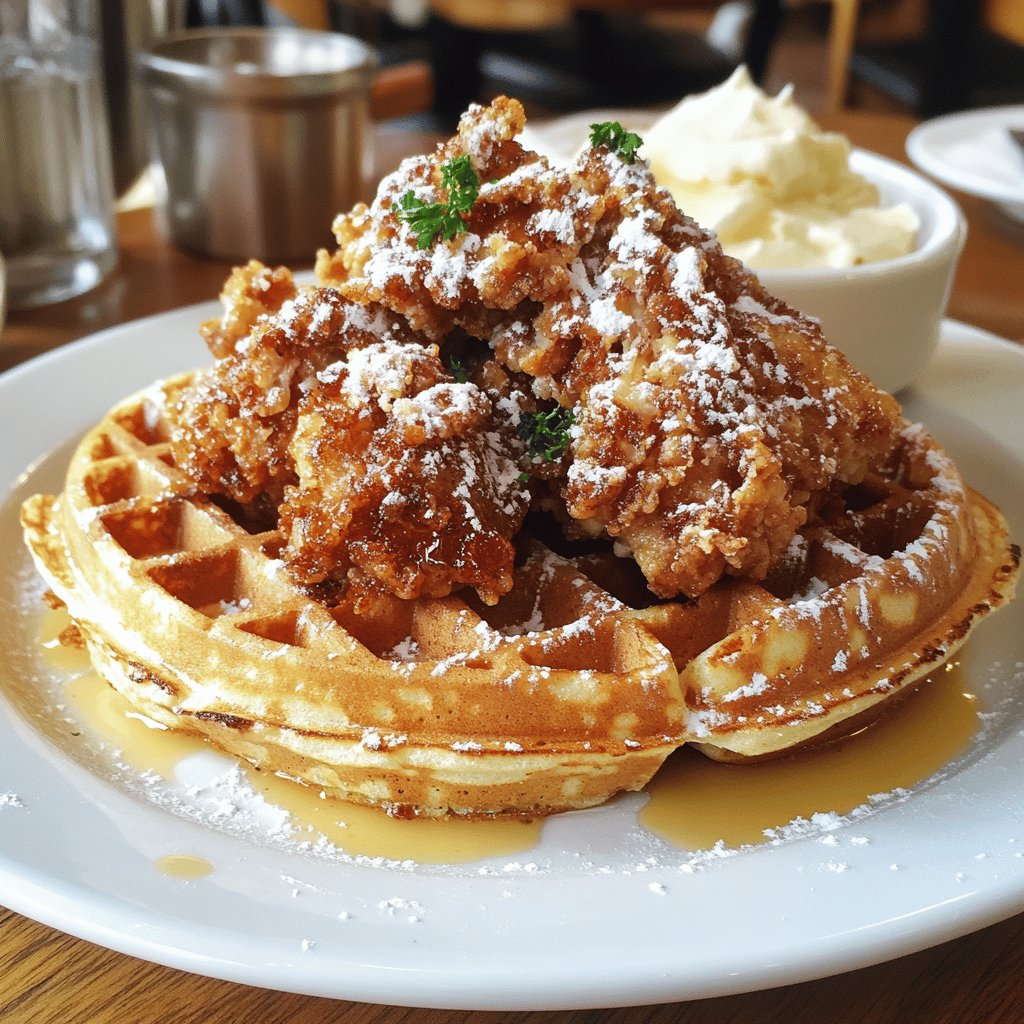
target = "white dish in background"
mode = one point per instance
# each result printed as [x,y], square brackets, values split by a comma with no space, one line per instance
[885,316]
[599,913]
[973,152]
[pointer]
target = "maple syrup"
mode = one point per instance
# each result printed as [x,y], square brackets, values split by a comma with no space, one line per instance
[695,802]
[368,831]
[184,866]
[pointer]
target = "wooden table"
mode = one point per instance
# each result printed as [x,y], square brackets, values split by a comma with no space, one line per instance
[47,977]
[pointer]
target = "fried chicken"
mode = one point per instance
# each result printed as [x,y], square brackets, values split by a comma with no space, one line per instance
[235,423]
[527,223]
[406,479]
[710,418]
[250,292]
[338,418]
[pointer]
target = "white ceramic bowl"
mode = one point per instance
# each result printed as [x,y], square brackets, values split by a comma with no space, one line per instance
[885,316]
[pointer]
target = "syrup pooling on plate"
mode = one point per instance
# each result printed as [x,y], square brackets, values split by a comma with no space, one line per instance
[359,831]
[696,803]
[184,866]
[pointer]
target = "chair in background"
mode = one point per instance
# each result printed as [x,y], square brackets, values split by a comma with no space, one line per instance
[841,36]
[558,55]
[960,54]
[571,54]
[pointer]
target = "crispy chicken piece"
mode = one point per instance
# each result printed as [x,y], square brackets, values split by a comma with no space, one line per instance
[710,418]
[385,472]
[406,479]
[234,425]
[250,292]
[527,223]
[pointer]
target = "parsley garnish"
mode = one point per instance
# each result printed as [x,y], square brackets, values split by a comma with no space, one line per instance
[458,370]
[428,220]
[613,136]
[546,433]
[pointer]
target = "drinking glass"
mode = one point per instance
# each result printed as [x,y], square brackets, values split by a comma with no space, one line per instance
[56,192]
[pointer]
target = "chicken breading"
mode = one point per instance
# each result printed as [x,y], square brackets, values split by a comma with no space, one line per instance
[235,423]
[512,252]
[710,418]
[407,480]
[386,472]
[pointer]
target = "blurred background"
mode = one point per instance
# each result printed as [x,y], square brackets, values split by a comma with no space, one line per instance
[915,58]
[923,57]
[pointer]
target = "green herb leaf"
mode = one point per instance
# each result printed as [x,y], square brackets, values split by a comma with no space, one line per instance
[428,220]
[614,137]
[458,370]
[460,180]
[461,183]
[546,433]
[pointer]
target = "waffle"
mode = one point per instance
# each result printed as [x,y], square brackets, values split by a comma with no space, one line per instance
[573,687]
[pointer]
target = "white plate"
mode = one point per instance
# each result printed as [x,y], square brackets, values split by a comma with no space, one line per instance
[600,913]
[973,152]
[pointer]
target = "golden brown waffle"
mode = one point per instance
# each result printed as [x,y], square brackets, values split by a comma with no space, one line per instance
[572,688]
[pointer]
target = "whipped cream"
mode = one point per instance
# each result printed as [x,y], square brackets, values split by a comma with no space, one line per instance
[777,190]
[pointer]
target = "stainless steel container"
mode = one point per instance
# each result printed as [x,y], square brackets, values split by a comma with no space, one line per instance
[262,135]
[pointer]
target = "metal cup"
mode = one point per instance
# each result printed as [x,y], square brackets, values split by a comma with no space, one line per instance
[56,193]
[261,134]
